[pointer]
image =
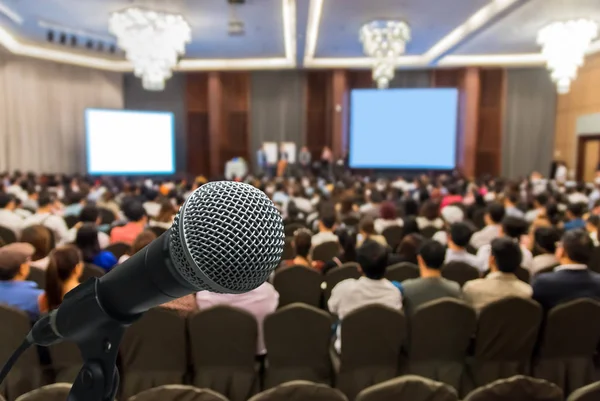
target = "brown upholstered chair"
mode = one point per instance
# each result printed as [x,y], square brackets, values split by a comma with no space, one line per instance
[298,284]
[299,390]
[517,388]
[402,271]
[51,392]
[223,345]
[297,338]
[153,352]
[178,392]
[409,387]
[326,251]
[591,392]
[460,272]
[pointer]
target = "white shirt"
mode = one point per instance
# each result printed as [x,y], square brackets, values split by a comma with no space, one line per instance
[322,237]
[441,237]
[542,262]
[578,197]
[352,294]
[561,173]
[423,222]
[382,224]
[11,220]
[152,208]
[55,223]
[571,267]
[485,236]
[531,215]
[40,263]
[483,257]
[460,256]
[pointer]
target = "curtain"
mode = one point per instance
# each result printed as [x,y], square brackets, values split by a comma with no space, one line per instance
[411,79]
[277,108]
[528,137]
[42,112]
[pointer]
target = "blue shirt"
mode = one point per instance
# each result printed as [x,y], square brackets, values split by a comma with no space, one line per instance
[73,210]
[105,260]
[22,295]
[574,224]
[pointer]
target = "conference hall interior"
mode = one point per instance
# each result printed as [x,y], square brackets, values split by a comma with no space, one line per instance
[300,200]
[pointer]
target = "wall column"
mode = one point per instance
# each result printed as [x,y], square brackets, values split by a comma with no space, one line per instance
[339,113]
[215,122]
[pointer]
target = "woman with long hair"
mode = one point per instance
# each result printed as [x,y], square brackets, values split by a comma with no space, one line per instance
[63,273]
[164,218]
[41,239]
[87,242]
[143,239]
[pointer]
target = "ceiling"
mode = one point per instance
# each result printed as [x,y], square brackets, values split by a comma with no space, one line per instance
[298,33]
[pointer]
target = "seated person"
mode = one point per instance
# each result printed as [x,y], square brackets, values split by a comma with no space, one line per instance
[501,282]
[347,253]
[513,228]
[137,221]
[494,214]
[87,242]
[90,214]
[431,285]
[371,289]
[572,279]
[575,216]
[387,217]
[545,239]
[63,274]
[302,246]
[260,303]
[459,236]
[326,228]
[366,231]
[15,291]
[591,225]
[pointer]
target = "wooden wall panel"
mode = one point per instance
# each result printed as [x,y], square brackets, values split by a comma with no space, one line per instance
[198,141]
[318,116]
[582,99]
[340,113]
[235,114]
[489,125]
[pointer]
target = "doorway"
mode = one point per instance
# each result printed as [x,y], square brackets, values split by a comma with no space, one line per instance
[588,157]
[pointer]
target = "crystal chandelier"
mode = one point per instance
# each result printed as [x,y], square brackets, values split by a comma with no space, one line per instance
[384,41]
[564,45]
[152,40]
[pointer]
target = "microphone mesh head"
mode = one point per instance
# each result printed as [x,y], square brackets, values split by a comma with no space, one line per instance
[228,237]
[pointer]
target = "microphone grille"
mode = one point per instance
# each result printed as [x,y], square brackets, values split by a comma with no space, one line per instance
[228,237]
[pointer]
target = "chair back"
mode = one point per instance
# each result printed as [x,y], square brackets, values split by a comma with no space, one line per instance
[299,390]
[594,263]
[7,235]
[90,270]
[291,228]
[289,252]
[107,216]
[223,344]
[568,345]
[158,231]
[26,374]
[51,392]
[326,251]
[338,274]
[153,352]
[71,220]
[38,276]
[362,366]
[459,272]
[177,392]
[517,388]
[351,221]
[429,231]
[523,274]
[393,235]
[507,332]
[409,387]
[590,392]
[118,249]
[298,284]
[66,361]
[297,338]
[402,271]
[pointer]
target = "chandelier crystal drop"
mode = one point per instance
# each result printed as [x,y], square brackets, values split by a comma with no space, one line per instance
[564,45]
[152,40]
[384,41]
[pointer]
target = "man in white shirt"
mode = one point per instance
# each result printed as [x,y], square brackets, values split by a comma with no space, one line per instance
[326,227]
[371,289]
[89,215]
[501,283]
[46,217]
[493,217]
[513,228]
[539,207]
[545,239]
[510,205]
[8,217]
[151,206]
[458,239]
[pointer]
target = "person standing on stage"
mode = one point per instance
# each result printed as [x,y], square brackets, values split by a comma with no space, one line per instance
[261,160]
[304,158]
[326,160]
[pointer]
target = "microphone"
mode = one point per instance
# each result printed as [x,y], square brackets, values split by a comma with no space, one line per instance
[228,237]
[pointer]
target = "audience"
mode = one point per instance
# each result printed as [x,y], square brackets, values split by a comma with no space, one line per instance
[513,228]
[510,205]
[459,236]
[107,201]
[494,214]
[430,216]
[143,239]
[574,216]
[407,250]
[46,217]
[545,243]
[366,231]
[387,218]
[431,285]
[326,228]
[90,215]
[8,218]
[15,291]
[501,282]
[164,218]
[259,302]
[450,214]
[572,279]
[41,239]
[591,225]
[348,250]
[151,206]
[302,246]
[87,242]
[372,288]
[452,197]
[137,221]
[371,208]
[539,207]
[63,274]
[76,203]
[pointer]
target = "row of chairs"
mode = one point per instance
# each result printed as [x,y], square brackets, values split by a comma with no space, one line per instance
[444,340]
[406,388]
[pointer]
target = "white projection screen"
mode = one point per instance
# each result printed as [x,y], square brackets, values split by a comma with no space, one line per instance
[127,142]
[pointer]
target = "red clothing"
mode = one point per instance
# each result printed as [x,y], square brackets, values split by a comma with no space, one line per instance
[450,199]
[126,233]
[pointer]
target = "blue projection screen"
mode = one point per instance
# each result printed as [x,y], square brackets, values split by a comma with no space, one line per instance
[124,142]
[403,128]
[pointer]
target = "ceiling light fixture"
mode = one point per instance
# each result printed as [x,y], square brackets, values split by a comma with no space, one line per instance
[152,40]
[384,41]
[564,46]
